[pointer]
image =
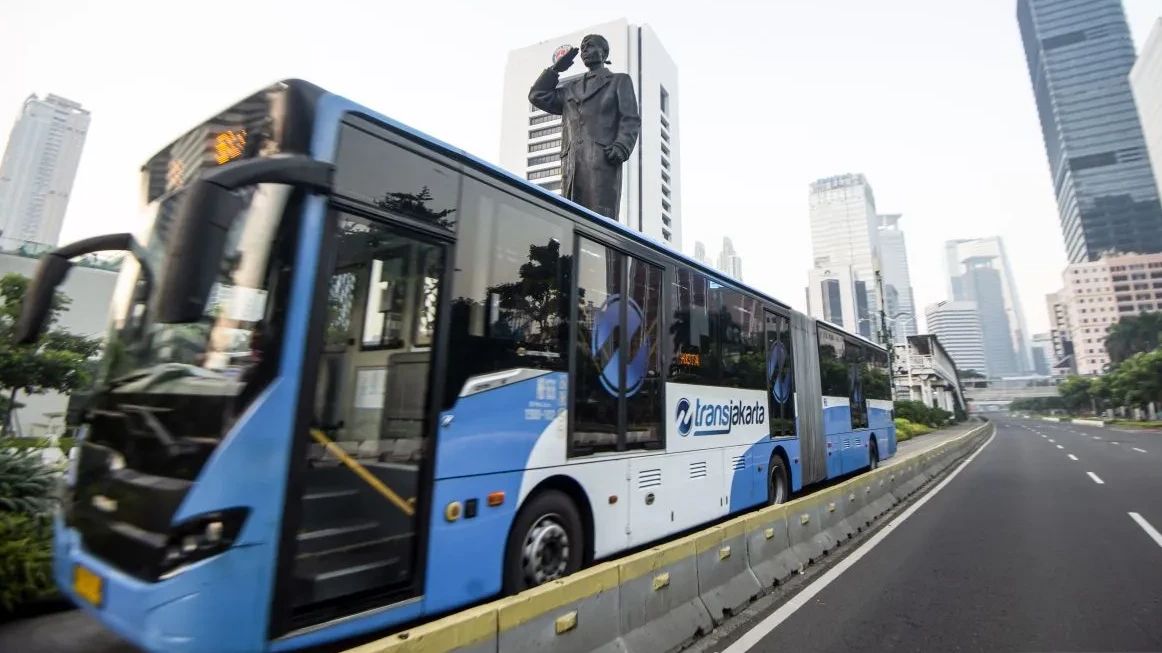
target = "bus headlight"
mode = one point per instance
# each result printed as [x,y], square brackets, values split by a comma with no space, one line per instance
[202,537]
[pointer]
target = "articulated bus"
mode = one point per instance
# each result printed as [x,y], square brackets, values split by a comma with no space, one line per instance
[356,378]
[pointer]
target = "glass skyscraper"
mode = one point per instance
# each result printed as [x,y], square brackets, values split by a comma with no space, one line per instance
[1080,54]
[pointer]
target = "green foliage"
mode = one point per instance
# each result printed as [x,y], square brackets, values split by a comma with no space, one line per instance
[59,362]
[1135,381]
[907,429]
[25,559]
[919,413]
[26,483]
[1134,334]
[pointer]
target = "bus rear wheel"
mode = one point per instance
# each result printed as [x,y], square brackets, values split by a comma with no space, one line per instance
[778,481]
[873,455]
[545,543]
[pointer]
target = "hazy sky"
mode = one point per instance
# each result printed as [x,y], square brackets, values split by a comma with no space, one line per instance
[929,98]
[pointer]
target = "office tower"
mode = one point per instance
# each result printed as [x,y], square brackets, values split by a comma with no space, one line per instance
[844,233]
[39,166]
[899,301]
[1098,293]
[729,262]
[1044,359]
[957,325]
[1079,54]
[700,252]
[979,271]
[836,296]
[1146,84]
[530,139]
[1060,334]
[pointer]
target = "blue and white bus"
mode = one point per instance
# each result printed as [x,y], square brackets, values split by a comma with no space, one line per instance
[356,378]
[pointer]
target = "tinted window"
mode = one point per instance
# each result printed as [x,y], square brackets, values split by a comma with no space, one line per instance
[510,302]
[740,332]
[396,180]
[854,357]
[833,374]
[643,383]
[695,360]
[876,378]
[596,386]
[780,375]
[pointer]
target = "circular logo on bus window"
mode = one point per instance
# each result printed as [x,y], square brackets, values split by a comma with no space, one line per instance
[684,417]
[634,344]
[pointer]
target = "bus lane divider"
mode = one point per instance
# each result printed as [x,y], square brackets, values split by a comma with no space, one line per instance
[664,597]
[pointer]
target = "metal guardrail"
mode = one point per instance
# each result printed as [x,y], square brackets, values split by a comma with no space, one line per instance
[663,597]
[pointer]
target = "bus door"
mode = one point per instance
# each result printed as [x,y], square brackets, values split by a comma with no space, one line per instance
[360,500]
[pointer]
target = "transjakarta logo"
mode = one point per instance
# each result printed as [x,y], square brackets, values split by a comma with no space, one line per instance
[706,418]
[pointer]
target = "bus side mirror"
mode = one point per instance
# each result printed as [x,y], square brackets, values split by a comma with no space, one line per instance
[194,252]
[50,272]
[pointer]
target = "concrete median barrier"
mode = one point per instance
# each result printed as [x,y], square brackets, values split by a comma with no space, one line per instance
[725,580]
[659,602]
[768,547]
[661,598]
[1090,422]
[575,614]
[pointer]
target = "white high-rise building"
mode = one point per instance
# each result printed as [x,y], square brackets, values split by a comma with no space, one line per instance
[844,233]
[530,139]
[900,302]
[1146,84]
[957,325]
[40,163]
[729,262]
[1060,334]
[979,271]
[834,295]
[1044,358]
[700,252]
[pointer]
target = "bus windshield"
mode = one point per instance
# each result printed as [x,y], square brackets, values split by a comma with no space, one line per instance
[181,385]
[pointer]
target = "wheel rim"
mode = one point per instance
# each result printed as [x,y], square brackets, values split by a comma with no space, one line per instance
[779,484]
[545,554]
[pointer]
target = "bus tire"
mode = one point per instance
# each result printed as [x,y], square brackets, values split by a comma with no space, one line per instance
[778,481]
[873,454]
[546,542]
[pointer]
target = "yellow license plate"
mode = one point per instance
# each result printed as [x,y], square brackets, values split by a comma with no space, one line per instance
[88,586]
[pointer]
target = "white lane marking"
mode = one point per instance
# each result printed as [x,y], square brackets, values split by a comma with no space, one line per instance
[1060,447]
[1139,450]
[1150,530]
[1113,443]
[1043,435]
[753,636]
[1095,478]
[1072,457]
[1051,440]
[1097,437]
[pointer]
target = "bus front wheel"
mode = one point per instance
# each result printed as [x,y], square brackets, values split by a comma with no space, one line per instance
[545,543]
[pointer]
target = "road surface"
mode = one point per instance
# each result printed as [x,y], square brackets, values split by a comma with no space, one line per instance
[1048,540]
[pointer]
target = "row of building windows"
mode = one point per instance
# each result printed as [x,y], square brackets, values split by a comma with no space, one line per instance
[547,172]
[545,131]
[543,159]
[545,145]
[542,119]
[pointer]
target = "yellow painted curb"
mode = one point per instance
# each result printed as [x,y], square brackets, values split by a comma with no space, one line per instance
[530,604]
[459,630]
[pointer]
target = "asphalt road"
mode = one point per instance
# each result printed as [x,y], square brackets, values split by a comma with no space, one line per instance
[1023,550]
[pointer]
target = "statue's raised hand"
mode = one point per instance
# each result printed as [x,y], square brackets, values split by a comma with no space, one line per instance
[562,62]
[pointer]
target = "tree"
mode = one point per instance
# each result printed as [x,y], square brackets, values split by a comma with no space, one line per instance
[1134,334]
[1137,380]
[58,362]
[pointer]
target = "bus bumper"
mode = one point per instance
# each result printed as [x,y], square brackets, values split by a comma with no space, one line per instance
[174,614]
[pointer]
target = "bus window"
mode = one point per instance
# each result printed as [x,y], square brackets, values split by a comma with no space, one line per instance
[596,386]
[854,357]
[780,373]
[695,360]
[397,180]
[740,334]
[510,302]
[643,382]
[833,373]
[876,382]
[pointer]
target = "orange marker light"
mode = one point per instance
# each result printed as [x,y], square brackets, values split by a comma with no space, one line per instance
[495,499]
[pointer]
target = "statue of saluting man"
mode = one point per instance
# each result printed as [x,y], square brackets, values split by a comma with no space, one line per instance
[601,125]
